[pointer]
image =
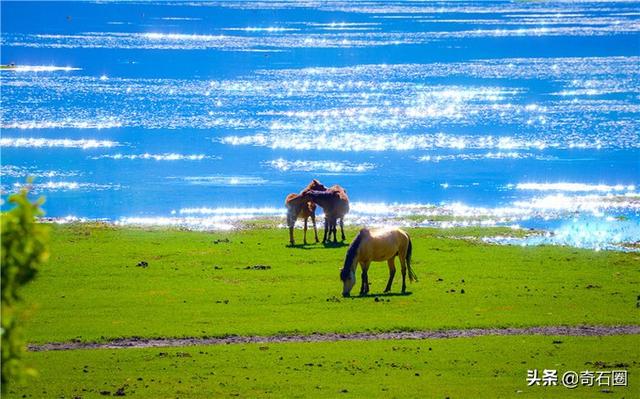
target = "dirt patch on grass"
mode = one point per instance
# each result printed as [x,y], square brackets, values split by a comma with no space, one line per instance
[331,337]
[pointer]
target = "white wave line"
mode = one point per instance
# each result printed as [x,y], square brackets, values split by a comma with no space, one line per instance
[381,142]
[225,180]
[265,211]
[74,124]
[474,157]
[40,68]
[66,186]
[158,157]
[63,143]
[328,166]
[572,187]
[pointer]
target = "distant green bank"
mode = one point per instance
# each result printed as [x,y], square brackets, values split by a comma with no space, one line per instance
[105,282]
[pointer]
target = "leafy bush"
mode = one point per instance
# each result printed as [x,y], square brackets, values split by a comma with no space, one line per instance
[24,249]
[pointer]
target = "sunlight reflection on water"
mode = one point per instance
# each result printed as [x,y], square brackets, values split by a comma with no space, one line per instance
[591,233]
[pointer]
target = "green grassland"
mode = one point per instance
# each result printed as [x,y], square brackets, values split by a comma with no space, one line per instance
[205,284]
[483,367]
[197,284]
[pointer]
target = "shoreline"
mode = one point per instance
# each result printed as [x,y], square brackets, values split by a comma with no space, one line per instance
[500,233]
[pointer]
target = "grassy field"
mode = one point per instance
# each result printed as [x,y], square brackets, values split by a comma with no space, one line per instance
[206,284]
[197,284]
[486,367]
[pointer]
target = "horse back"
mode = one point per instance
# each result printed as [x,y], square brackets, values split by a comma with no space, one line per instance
[289,198]
[385,244]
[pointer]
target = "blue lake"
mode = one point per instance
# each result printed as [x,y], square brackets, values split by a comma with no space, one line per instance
[198,114]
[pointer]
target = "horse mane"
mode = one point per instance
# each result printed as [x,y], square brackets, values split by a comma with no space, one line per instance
[325,194]
[316,188]
[352,252]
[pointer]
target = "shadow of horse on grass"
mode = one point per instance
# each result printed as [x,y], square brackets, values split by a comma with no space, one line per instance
[326,245]
[332,244]
[382,295]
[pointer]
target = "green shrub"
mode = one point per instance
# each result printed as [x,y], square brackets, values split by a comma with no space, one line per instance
[24,249]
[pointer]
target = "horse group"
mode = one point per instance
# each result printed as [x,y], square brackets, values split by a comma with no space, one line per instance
[368,246]
[333,200]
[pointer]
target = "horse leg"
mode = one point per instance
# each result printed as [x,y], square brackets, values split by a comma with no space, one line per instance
[342,228]
[305,231]
[403,268]
[392,273]
[366,275]
[291,241]
[364,285]
[326,226]
[335,229]
[315,229]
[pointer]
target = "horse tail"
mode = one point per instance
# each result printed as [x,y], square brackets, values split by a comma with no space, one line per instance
[412,275]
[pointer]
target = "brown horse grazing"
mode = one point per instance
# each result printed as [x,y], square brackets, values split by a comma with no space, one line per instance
[300,207]
[335,205]
[375,246]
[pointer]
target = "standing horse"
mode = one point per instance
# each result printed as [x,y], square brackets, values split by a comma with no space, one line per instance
[335,204]
[300,207]
[315,185]
[344,199]
[375,246]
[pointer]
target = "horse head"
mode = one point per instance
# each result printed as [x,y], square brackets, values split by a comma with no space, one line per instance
[315,185]
[348,277]
[348,271]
